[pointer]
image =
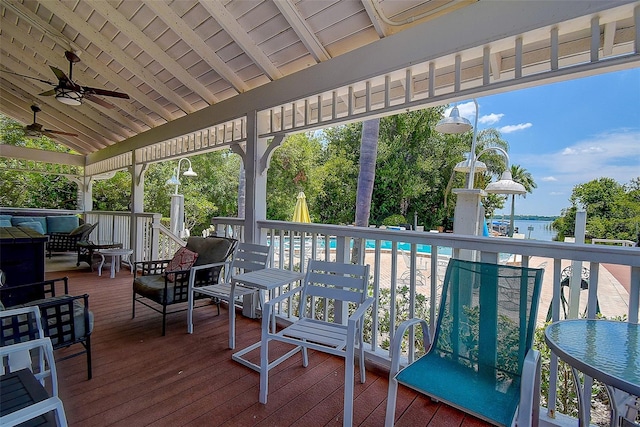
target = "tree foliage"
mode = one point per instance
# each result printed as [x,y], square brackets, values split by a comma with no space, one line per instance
[612,209]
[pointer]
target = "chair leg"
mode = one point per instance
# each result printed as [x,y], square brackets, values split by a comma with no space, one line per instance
[88,348]
[391,402]
[192,296]
[164,319]
[133,306]
[361,358]
[264,362]
[232,322]
[348,385]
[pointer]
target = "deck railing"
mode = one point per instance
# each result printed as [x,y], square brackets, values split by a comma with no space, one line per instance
[403,273]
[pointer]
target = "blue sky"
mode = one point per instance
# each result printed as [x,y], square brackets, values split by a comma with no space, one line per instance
[566,134]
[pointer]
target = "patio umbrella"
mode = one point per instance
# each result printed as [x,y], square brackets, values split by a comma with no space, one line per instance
[301,211]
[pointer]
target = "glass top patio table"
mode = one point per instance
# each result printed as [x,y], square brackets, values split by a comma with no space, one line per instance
[608,351]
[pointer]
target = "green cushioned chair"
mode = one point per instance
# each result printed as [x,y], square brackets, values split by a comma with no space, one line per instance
[482,361]
[153,288]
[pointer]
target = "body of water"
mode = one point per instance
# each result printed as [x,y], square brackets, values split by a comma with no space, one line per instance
[540,230]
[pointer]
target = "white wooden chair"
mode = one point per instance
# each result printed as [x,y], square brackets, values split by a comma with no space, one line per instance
[247,257]
[333,302]
[36,355]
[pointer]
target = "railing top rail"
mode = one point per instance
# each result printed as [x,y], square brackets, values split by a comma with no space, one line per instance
[560,250]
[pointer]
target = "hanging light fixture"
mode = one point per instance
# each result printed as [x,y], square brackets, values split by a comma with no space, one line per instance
[68,96]
[455,123]
[174,180]
[506,185]
[465,165]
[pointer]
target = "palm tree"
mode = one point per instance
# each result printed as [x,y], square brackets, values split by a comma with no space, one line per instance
[521,175]
[366,178]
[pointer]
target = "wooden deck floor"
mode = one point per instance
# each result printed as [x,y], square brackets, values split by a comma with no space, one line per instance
[141,378]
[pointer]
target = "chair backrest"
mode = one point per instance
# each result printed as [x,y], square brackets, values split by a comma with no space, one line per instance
[328,282]
[487,316]
[250,257]
[18,325]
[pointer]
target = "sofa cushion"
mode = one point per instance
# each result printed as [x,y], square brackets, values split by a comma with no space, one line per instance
[5,223]
[210,249]
[17,220]
[182,260]
[4,217]
[62,224]
[152,287]
[36,226]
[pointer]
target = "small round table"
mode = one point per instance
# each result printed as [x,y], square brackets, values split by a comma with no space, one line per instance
[117,256]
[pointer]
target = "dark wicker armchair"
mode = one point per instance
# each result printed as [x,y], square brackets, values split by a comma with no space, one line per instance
[66,319]
[156,289]
[68,242]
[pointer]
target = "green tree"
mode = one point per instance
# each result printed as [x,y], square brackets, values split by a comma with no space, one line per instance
[293,168]
[613,210]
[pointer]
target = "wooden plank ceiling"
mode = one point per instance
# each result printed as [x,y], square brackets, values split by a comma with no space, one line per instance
[174,57]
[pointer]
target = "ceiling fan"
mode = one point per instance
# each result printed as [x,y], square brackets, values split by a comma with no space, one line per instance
[36,130]
[71,93]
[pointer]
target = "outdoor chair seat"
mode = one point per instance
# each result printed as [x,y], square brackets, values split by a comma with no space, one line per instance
[68,242]
[157,289]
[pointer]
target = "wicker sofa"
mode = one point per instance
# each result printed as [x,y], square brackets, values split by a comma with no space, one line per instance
[64,231]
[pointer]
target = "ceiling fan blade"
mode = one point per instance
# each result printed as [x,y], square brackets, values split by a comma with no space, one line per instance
[59,73]
[29,77]
[98,101]
[48,93]
[103,92]
[59,132]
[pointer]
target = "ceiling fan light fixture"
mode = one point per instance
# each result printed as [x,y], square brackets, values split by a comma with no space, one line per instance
[69,96]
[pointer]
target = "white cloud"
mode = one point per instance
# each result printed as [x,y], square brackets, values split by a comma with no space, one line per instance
[614,155]
[549,178]
[556,193]
[490,119]
[514,128]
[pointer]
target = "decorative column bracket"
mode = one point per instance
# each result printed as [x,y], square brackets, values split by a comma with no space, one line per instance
[266,158]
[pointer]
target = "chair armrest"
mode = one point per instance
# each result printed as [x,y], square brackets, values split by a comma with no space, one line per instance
[284,296]
[397,342]
[356,315]
[529,408]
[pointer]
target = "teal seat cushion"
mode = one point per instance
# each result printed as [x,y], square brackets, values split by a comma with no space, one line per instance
[36,226]
[460,386]
[62,224]
[17,220]
[5,223]
[4,217]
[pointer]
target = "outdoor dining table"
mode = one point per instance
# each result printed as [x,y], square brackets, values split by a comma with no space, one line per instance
[266,280]
[605,350]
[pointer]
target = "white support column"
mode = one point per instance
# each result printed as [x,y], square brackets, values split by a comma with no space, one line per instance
[467,216]
[255,182]
[85,194]
[137,206]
